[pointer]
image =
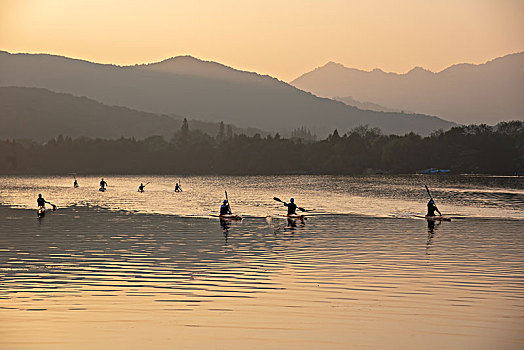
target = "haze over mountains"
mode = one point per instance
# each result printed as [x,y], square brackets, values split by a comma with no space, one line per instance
[350,101]
[40,115]
[202,90]
[463,93]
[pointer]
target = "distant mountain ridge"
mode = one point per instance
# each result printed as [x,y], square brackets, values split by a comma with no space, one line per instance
[464,93]
[202,90]
[192,66]
[40,115]
[350,101]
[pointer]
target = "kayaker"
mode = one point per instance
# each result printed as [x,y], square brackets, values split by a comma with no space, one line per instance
[141,187]
[75,184]
[103,184]
[291,207]
[41,201]
[224,208]
[432,208]
[178,188]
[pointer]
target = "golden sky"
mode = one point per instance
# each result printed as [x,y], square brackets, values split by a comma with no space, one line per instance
[282,38]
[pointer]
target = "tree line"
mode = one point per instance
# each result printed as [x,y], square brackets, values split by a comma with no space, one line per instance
[481,149]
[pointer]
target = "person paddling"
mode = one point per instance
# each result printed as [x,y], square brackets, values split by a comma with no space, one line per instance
[75,184]
[291,207]
[225,209]
[103,184]
[178,188]
[432,207]
[141,187]
[292,211]
[41,202]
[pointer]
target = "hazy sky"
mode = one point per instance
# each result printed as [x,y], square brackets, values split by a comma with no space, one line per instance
[283,38]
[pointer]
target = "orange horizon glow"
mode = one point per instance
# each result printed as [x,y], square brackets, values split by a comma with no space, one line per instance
[281,39]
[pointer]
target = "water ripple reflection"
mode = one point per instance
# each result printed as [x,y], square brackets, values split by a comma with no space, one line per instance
[336,280]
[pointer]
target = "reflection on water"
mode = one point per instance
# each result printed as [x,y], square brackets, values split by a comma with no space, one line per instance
[432,227]
[86,278]
[384,196]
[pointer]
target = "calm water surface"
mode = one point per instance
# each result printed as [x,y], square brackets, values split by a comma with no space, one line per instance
[364,274]
[384,196]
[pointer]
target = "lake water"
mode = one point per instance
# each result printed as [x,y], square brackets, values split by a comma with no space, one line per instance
[377,196]
[130,270]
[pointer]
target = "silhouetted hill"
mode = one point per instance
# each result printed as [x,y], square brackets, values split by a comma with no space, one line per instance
[350,101]
[188,65]
[464,93]
[202,90]
[40,114]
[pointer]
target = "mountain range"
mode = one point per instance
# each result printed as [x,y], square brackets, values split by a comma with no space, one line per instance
[206,91]
[350,101]
[40,115]
[463,93]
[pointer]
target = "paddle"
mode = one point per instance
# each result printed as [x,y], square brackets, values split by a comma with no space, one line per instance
[54,206]
[430,197]
[281,201]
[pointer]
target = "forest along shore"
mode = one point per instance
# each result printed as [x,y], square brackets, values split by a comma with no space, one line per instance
[478,149]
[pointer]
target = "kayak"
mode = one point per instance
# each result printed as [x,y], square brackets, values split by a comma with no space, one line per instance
[437,218]
[295,217]
[230,217]
[40,212]
[101,189]
[227,217]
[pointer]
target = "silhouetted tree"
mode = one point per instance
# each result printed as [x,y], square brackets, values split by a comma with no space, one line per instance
[303,133]
[221,136]
[184,129]
[334,137]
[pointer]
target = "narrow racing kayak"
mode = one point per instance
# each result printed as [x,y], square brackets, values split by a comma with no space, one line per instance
[437,218]
[295,217]
[228,217]
[40,212]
